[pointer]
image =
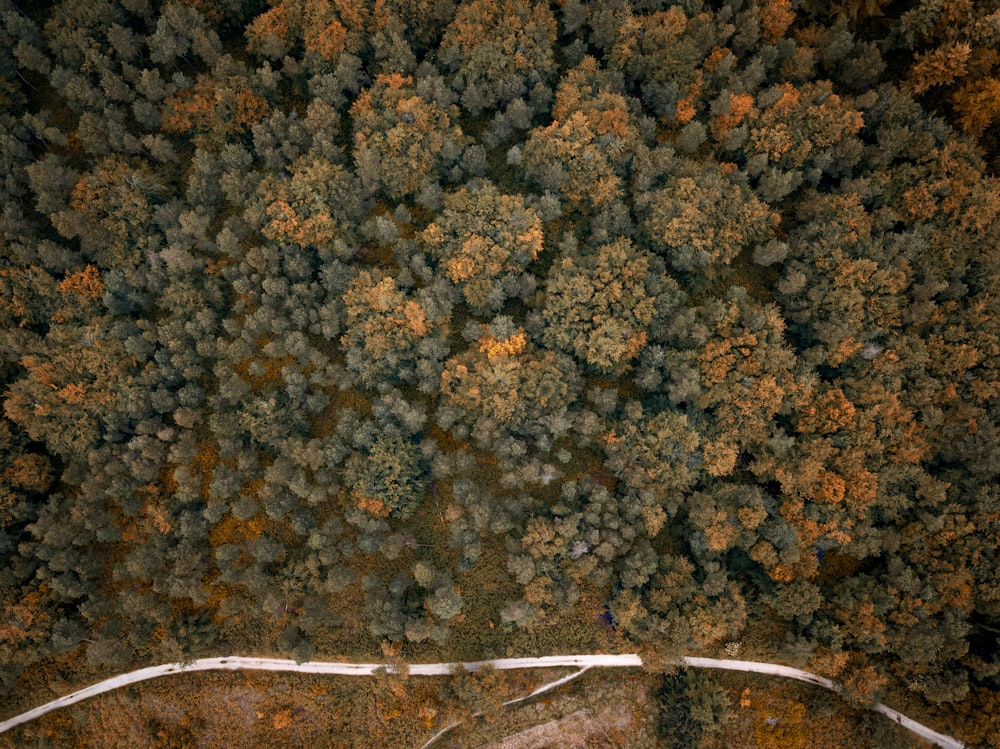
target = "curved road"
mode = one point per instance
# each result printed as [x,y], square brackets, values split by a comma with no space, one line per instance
[234,663]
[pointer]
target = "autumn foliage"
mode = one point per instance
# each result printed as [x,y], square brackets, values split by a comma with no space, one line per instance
[422,329]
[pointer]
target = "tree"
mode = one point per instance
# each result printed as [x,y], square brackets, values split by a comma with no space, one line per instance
[659,52]
[800,128]
[599,306]
[213,113]
[570,159]
[385,326]
[387,476]
[598,95]
[484,241]
[701,220]
[654,451]
[746,372]
[498,51]
[316,208]
[69,395]
[181,29]
[316,32]
[423,21]
[111,210]
[402,140]
[503,378]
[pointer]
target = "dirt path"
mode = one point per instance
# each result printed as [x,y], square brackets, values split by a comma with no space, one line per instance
[235,663]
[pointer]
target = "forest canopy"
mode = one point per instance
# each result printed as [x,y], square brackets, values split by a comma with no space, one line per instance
[329,326]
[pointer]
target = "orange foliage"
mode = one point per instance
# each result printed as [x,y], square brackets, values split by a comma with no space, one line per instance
[782,573]
[955,588]
[286,225]
[686,106]
[28,471]
[720,457]
[919,203]
[828,663]
[330,42]
[152,517]
[715,58]
[864,625]
[20,616]
[273,22]
[830,488]
[740,105]
[460,268]
[85,283]
[862,683]
[721,532]
[231,530]
[779,723]
[372,505]
[494,347]
[203,463]
[861,487]
[906,445]
[976,719]
[826,413]
[775,18]
[978,105]
[73,393]
[212,107]
[939,67]
[167,480]
[272,369]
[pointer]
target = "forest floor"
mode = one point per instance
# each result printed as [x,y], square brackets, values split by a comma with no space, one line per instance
[257,710]
[598,709]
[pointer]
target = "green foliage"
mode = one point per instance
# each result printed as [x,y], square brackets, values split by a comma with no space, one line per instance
[676,724]
[653,452]
[387,476]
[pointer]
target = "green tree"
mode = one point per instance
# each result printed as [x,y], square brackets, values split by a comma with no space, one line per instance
[386,476]
[653,451]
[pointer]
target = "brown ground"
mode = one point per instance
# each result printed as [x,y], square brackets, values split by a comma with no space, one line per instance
[578,730]
[250,710]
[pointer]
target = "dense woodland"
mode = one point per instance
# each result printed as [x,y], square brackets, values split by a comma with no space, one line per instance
[341,327]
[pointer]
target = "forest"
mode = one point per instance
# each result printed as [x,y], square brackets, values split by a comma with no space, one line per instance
[452,330]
